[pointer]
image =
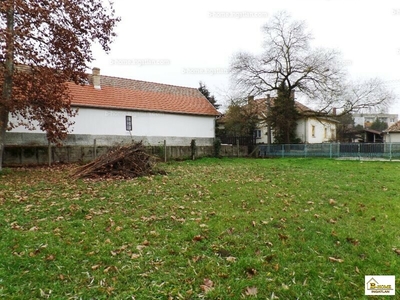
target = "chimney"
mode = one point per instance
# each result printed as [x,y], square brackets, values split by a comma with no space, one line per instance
[96,78]
[268,101]
[250,99]
[334,111]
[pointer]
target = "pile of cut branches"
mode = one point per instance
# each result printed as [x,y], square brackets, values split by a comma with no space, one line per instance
[127,161]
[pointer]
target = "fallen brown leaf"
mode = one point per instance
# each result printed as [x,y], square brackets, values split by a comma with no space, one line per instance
[353,241]
[251,272]
[207,286]
[276,267]
[251,291]
[198,238]
[333,259]
[283,237]
[231,259]
[50,257]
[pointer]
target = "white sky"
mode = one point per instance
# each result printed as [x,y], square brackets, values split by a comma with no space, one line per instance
[183,42]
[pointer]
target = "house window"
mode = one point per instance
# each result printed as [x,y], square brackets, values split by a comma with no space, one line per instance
[312,130]
[128,123]
[257,134]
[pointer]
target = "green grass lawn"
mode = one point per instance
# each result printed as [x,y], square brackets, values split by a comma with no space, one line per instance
[209,229]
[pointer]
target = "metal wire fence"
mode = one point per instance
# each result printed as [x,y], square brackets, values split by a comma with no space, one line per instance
[332,150]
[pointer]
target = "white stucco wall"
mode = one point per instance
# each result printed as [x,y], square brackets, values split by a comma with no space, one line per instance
[304,130]
[112,122]
[264,135]
[393,137]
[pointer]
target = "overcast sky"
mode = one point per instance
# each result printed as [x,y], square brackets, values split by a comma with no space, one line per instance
[183,42]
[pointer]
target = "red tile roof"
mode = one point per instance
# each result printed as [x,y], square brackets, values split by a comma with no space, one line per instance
[301,108]
[394,128]
[260,107]
[121,93]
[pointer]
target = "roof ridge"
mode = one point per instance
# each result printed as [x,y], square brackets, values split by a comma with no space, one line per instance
[146,81]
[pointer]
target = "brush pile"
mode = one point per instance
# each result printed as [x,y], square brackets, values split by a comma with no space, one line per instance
[126,162]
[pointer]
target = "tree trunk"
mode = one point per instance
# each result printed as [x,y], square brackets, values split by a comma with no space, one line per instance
[3,120]
[6,96]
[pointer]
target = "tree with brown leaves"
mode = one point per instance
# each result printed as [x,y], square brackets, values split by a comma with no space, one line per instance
[45,44]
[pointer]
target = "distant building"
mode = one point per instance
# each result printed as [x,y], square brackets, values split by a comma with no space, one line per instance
[366,120]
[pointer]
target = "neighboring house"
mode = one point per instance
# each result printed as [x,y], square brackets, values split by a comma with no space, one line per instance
[366,120]
[392,134]
[113,110]
[310,128]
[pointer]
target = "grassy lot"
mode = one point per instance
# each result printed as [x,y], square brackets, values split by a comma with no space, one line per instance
[210,229]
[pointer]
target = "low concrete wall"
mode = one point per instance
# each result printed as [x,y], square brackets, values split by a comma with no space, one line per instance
[34,155]
[39,139]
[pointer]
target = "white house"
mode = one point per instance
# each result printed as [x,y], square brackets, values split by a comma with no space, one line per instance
[112,110]
[310,128]
[392,134]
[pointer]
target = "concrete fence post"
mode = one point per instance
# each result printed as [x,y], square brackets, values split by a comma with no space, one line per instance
[193,149]
[49,153]
[165,150]
[94,149]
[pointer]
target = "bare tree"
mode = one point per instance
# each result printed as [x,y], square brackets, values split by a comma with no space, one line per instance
[288,59]
[319,74]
